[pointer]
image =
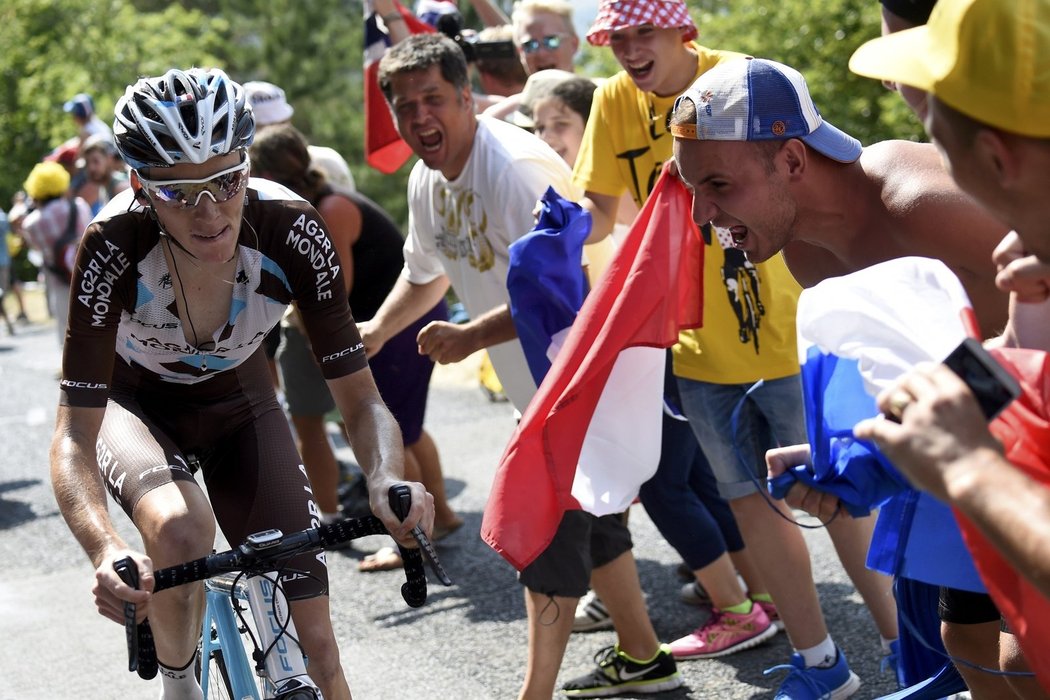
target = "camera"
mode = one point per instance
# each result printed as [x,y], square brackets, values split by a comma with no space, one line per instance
[451,25]
[992,386]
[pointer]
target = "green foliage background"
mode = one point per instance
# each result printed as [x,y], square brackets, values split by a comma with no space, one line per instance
[52,49]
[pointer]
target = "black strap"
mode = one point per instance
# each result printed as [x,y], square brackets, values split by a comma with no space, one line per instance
[70,234]
[65,239]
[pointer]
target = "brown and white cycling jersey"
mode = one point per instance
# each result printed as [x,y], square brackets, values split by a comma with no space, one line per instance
[123,309]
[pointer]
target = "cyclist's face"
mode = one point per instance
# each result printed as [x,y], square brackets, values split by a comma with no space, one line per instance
[737,187]
[210,229]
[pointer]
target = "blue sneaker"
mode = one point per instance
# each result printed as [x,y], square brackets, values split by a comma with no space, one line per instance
[814,683]
[945,683]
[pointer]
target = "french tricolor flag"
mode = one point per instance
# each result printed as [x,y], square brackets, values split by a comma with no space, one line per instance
[857,334]
[1024,430]
[590,436]
[430,11]
[384,149]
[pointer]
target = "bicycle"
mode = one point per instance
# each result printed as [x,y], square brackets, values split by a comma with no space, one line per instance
[248,576]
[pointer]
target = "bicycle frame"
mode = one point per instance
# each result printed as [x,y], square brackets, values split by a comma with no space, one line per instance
[219,614]
[275,629]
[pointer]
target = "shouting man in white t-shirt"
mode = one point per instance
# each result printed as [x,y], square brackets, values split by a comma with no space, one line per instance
[470,196]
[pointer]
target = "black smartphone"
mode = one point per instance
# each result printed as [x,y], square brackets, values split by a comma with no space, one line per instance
[992,385]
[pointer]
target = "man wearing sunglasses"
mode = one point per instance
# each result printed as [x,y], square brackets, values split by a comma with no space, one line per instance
[544,33]
[176,284]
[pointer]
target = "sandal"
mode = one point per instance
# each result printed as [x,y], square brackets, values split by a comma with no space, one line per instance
[385,559]
[443,531]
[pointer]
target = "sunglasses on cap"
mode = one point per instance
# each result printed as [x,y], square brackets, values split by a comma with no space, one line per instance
[548,42]
[181,194]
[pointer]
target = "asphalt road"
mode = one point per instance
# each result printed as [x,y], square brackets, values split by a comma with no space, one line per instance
[467,643]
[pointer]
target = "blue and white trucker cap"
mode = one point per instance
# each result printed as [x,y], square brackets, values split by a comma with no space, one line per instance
[753,99]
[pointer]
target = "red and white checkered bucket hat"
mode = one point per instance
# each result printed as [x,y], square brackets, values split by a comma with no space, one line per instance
[622,14]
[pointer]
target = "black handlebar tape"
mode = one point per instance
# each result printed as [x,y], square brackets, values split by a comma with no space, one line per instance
[400,497]
[147,652]
[180,574]
[414,590]
[350,529]
[142,654]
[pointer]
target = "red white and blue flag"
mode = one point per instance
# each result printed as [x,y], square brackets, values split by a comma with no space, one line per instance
[869,323]
[384,149]
[857,334]
[1024,430]
[430,11]
[590,436]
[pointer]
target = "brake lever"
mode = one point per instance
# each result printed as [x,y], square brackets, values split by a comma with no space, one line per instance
[400,502]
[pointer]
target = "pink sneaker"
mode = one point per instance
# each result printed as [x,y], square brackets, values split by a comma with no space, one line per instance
[725,633]
[771,612]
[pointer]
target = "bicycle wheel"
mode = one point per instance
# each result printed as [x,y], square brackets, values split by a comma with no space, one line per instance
[219,686]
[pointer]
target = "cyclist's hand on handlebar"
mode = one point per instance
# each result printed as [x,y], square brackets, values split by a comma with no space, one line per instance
[111,592]
[421,512]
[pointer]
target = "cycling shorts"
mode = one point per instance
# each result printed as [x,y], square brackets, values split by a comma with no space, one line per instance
[234,427]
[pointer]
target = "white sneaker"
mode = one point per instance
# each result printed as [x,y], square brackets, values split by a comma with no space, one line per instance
[693,593]
[591,614]
[297,688]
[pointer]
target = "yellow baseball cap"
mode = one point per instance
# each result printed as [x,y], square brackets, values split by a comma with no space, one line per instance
[989,59]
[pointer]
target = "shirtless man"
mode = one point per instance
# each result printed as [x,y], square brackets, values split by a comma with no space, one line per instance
[775,192]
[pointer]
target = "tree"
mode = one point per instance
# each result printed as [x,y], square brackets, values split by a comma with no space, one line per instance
[816,37]
[55,50]
[314,51]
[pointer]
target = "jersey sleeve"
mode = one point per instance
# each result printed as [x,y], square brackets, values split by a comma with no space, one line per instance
[103,286]
[315,275]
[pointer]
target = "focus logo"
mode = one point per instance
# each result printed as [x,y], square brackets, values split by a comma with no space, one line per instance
[70,384]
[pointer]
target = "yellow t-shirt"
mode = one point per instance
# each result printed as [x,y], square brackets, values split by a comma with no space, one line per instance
[749,310]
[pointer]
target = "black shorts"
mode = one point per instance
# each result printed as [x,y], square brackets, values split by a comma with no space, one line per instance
[966,607]
[583,542]
[234,426]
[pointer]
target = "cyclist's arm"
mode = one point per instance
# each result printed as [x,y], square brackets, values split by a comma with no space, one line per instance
[82,499]
[378,447]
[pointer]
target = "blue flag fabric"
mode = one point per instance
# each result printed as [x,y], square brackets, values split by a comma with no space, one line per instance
[545,279]
[853,470]
[859,332]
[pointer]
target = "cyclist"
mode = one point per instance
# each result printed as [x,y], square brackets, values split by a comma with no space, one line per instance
[177,282]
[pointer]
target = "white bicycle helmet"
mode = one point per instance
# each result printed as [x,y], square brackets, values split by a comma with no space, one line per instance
[182,117]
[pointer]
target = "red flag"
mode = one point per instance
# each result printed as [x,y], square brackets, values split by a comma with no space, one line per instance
[1024,429]
[384,149]
[652,289]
